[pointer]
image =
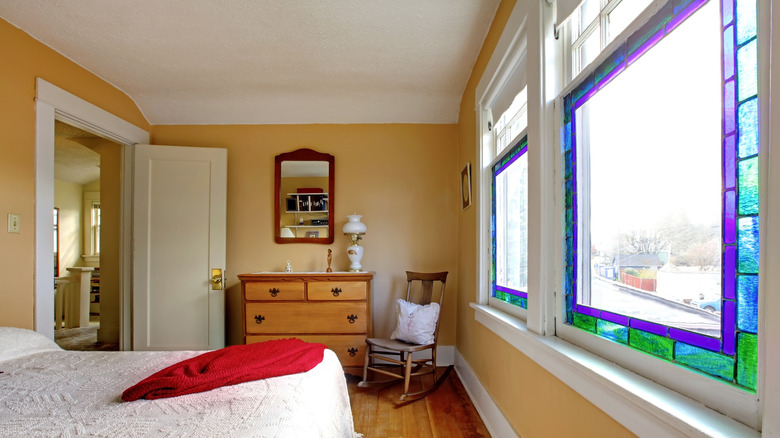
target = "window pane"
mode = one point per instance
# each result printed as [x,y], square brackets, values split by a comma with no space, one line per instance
[653,138]
[587,52]
[623,15]
[589,11]
[512,226]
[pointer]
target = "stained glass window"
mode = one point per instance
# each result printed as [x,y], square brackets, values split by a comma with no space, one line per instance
[509,226]
[729,352]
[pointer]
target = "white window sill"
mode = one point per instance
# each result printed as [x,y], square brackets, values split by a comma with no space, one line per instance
[91,258]
[642,406]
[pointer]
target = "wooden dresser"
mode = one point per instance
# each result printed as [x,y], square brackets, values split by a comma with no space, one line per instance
[330,308]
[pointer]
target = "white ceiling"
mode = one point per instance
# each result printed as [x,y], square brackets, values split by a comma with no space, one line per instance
[73,160]
[271,61]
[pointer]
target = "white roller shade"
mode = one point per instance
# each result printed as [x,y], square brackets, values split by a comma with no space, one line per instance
[564,9]
[511,85]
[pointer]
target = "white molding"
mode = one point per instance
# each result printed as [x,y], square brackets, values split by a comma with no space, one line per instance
[44,205]
[52,102]
[642,406]
[82,114]
[495,421]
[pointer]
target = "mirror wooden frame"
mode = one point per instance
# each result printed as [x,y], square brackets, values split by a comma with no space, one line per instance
[303,155]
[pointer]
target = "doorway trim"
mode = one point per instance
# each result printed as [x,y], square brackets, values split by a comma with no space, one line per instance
[53,103]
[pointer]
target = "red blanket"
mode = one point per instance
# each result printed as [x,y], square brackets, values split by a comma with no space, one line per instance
[229,366]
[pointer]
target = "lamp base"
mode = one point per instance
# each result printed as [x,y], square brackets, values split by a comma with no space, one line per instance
[355,254]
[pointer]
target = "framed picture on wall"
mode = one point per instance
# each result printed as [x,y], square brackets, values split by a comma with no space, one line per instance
[312,234]
[465,186]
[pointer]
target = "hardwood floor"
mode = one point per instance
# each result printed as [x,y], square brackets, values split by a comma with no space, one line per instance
[82,339]
[446,413]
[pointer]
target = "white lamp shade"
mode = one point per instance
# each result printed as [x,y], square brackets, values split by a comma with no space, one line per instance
[286,232]
[353,225]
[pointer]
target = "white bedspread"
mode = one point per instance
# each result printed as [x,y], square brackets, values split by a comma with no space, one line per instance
[48,392]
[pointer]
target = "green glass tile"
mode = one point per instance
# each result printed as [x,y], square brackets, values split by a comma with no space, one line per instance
[614,61]
[748,186]
[704,360]
[582,89]
[747,360]
[569,230]
[747,68]
[747,24]
[567,165]
[650,343]
[747,121]
[585,322]
[652,27]
[610,330]
[747,240]
[567,110]
[569,193]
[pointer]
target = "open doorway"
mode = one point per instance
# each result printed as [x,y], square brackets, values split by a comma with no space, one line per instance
[87,192]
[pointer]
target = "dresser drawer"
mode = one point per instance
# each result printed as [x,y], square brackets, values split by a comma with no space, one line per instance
[346,317]
[336,290]
[268,291]
[350,349]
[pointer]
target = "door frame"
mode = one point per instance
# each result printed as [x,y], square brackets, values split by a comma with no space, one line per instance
[53,103]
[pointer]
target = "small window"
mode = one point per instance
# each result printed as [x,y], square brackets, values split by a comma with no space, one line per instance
[95,227]
[509,226]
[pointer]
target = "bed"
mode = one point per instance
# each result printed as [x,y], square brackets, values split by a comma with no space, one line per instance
[46,391]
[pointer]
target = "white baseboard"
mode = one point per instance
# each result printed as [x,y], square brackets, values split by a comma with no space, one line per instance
[495,421]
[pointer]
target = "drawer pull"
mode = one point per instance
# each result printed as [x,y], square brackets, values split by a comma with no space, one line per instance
[336,291]
[273,291]
[352,351]
[352,318]
[259,319]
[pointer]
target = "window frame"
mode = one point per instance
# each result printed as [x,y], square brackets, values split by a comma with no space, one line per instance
[734,402]
[510,55]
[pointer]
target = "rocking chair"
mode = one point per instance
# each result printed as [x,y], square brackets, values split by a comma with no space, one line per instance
[393,357]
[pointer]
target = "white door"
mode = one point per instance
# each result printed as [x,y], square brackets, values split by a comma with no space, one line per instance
[179,201]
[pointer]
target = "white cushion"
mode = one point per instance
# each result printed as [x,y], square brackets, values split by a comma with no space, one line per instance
[17,342]
[415,323]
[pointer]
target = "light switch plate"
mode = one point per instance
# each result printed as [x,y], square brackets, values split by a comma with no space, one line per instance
[13,223]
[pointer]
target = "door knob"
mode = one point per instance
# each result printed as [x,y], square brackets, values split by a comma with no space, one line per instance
[216,279]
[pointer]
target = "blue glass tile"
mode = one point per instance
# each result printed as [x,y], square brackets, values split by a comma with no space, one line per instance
[746,20]
[747,70]
[748,186]
[567,165]
[683,9]
[566,136]
[611,67]
[567,101]
[747,116]
[747,303]
[711,363]
[747,253]
[610,330]
[582,89]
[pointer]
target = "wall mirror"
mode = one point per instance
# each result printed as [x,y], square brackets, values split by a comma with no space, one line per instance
[303,187]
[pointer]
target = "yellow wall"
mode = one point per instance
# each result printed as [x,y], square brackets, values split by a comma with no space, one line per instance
[68,198]
[402,178]
[23,60]
[535,403]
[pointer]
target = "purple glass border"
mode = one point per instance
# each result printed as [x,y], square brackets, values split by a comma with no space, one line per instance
[653,40]
[684,14]
[697,339]
[728,333]
[510,291]
[650,327]
[729,272]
